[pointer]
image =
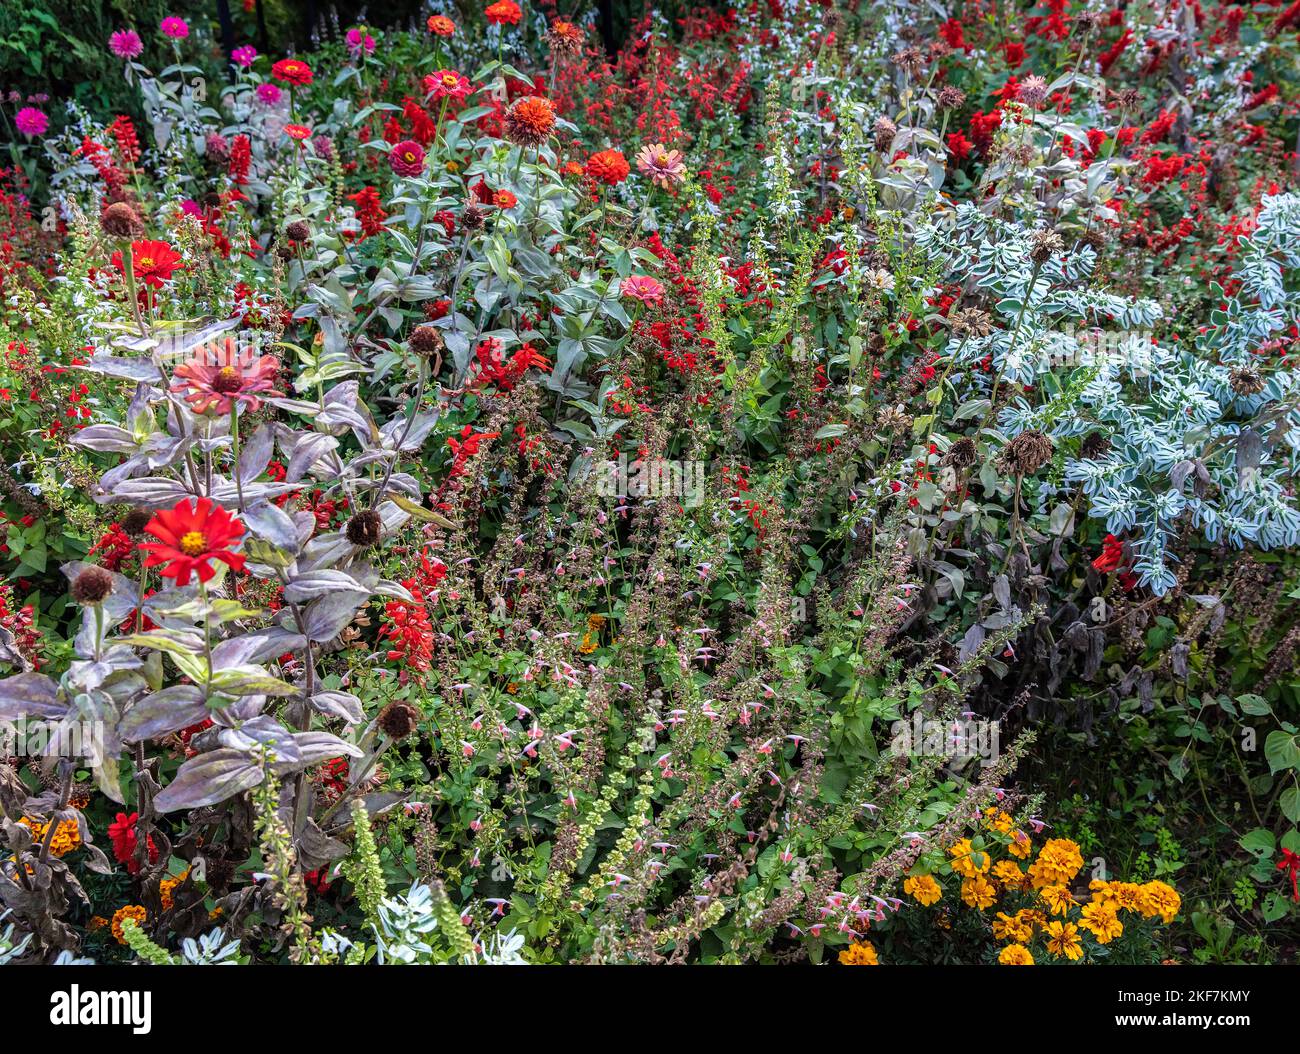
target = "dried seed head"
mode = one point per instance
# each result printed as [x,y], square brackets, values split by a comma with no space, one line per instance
[398,720]
[426,342]
[473,218]
[1094,445]
[885,130]
[135,521]
[969,322]
[910,61]
[961,454]
[298,230]
[365,528]
[1027,453]
[951,98]
[1246,381]
[1033,91]
[1044,244]
[92,586]
[121,220]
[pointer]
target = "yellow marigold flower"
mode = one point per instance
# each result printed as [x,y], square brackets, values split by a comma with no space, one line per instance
[998,820]
[1058,862]
[859,953]
[1016,955]
[1063,939]
[1163,899]
[1101,891]
[979,892]
[1021,845]
[1035,920]
[595,623]
[1101,919]
[67,836]
[1012,928]
[131,911]
[968,861]
[923,889]
[168,885]
[1059,899]
[1010,875]
[588,644]
[1131,897]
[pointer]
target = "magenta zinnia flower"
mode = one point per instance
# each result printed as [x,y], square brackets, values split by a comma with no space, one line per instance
[220,377]
[407,158]
[30,121]
[244,56]
[125,44]
[176,28]
[269,94]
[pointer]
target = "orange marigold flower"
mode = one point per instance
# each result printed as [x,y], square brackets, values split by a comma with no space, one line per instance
[131,911]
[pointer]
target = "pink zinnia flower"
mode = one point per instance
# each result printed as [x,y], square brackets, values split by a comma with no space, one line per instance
[662,165]
[176,28]
[244,56]
[125,44]
[358,41]
[407,158]
[643,288]
[221,376]
[447,84]
[269,94]
[30,121]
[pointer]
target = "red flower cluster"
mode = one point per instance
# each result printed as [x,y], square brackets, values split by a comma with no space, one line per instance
[122,834]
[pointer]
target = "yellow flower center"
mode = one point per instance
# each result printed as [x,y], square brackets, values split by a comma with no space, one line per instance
[146,261]
[193,543]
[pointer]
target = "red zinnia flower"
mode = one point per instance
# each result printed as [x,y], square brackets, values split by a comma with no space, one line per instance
[292,71]
[503,13]
[152,262]
[191,536]
[441,25]
[608,166]
[297,131]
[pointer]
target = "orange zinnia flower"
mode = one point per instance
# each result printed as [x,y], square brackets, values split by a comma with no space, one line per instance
[441,25]
[608,166]
[530,121]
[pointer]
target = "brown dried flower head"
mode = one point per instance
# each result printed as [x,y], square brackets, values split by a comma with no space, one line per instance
[1027,453]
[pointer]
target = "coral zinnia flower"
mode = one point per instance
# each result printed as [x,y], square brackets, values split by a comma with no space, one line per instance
[642,287]
[189,537]
[292,71]
[220,377]
[441,25]
[529,121]
[504,12]
[662,165]
[297,131]
[608,166]
[407,158]
[153,262]
[447,84]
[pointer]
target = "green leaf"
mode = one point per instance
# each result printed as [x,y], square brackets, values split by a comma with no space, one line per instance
[1282,749]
